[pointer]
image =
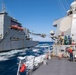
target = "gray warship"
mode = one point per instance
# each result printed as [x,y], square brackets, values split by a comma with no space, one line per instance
[67,24]
[65,34]
[12,35]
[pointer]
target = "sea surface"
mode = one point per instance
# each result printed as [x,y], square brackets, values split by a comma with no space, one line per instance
[9,60]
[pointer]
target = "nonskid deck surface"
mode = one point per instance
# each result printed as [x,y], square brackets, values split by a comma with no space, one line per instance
[57,67]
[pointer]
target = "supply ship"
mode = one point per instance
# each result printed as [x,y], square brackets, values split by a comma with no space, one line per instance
[12,35]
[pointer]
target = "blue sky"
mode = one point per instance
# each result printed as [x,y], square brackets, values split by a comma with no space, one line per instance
[37,15]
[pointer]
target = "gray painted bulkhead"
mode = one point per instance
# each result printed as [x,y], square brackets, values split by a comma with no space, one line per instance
[13,39]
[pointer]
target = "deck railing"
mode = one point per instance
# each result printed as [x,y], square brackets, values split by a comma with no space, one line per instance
[62,49]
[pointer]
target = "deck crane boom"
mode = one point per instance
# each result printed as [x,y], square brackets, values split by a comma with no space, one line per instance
[42,35]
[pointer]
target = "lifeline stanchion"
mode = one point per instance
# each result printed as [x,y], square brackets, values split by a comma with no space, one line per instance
[19,67]
[20,58]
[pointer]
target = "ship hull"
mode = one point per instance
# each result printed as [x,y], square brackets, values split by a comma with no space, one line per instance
[12,35]
[17,45]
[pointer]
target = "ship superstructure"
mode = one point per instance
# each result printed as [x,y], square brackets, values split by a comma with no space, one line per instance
[67,24]
[13,35]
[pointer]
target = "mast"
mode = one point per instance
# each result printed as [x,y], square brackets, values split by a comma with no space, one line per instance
[3,6]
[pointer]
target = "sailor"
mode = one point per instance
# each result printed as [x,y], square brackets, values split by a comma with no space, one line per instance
[71,53]
[65,40]
[61,39]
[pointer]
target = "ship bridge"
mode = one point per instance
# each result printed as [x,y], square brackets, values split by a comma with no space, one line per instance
[67,24]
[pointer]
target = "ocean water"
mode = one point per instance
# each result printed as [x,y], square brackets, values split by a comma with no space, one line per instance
[9,60]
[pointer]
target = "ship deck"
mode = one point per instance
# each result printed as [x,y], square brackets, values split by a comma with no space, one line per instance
[57,67]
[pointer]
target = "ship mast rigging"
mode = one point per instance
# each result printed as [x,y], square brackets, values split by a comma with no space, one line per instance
[63,5]
[3,7]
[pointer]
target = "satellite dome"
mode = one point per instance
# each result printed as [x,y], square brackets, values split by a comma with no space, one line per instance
[68,11]
[73,4]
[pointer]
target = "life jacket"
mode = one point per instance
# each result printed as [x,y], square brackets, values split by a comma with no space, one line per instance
[70,50]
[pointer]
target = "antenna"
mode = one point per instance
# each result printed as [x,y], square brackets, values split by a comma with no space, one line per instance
[3,6]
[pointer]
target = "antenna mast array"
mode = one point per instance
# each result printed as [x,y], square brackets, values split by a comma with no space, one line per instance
[3,6]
